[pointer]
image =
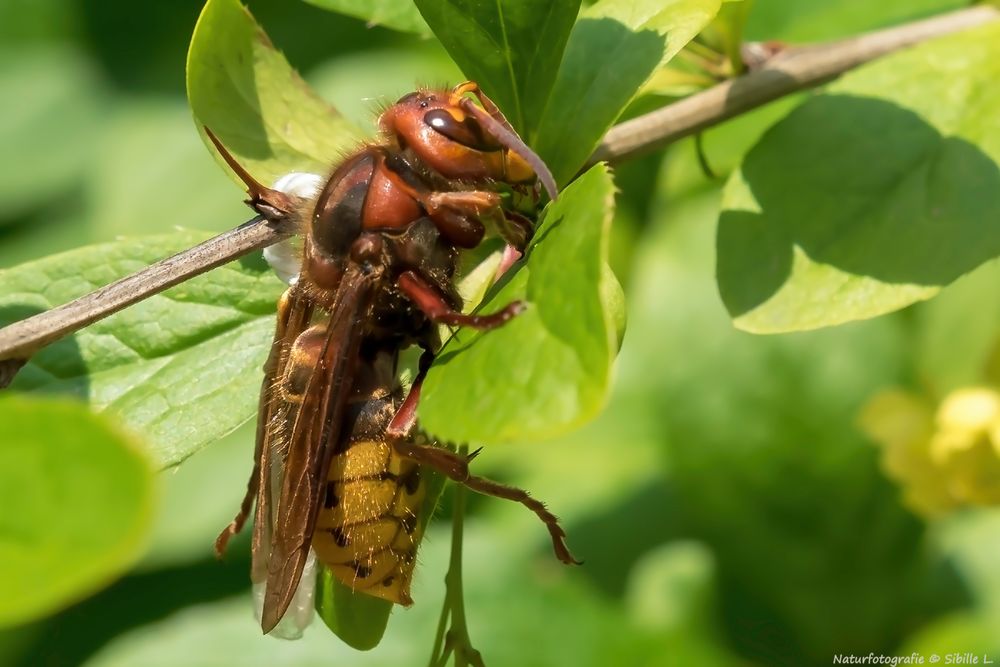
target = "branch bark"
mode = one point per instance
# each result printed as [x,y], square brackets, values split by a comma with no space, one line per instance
[791,70]
[22,339]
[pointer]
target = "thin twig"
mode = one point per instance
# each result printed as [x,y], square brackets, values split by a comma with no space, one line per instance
[22,339]
[438,655]
[792,70]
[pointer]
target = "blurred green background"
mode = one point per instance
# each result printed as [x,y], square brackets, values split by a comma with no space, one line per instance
[728,508]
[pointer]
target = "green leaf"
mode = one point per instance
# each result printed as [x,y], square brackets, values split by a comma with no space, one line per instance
[871,196]
[613,50]
[511,49]
[182,368]
[357,619]
[50,133]
[796,21]
[725,33]
[245,91]
[396,14]
[77,496]
[547,370]
[360,620]
[713,54]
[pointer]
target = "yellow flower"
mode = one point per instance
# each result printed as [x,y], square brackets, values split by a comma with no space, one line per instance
[942,458]
[966,444]
[902,425]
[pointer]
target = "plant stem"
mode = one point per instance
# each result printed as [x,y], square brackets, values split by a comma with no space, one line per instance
[455,640]
[792,70]
[436,653]
[22,339]
[710,67]
[459,630]
[705,51]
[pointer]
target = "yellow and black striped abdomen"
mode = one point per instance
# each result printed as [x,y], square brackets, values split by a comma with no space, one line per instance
[369,527]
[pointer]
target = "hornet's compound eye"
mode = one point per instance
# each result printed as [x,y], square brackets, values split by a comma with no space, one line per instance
[423,100]
[467,132]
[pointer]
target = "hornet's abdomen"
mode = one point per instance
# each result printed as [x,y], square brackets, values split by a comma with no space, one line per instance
[369,525]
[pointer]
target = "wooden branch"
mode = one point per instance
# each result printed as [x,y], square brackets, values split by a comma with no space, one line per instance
[791,70]
[22,339]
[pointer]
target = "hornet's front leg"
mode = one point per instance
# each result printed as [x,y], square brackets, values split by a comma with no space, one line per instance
[462,217]
[471,208]
[430,301]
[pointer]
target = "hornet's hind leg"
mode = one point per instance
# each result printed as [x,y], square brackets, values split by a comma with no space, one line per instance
[456,467]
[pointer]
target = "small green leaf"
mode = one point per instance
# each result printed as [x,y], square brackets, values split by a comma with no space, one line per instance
[182,368]
[713,54]
[511,49]
[358,619]
[547,370]
[77,499]
[613,50]
[725,33]
[396,14]
[871,196]
[50,133]
[249,96]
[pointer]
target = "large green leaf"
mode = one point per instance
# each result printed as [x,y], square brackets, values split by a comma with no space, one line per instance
[511,49]
[77,499]
[547,370]
[182,368]
[50,133]
[248,95]
[396,14]
[613,49]
[871,196]
[797,21]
